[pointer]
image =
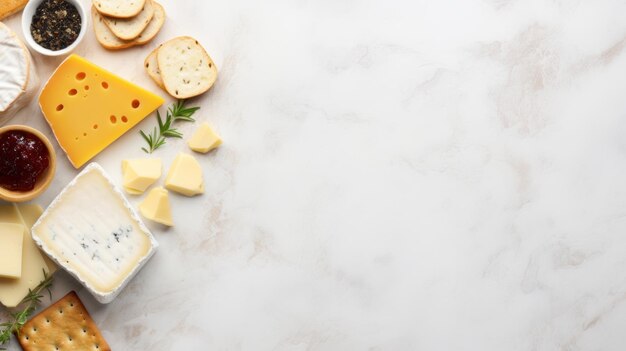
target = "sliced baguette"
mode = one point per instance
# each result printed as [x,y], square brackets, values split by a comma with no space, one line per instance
[119,8]
[130,28]
[105,37]
[186,68]
[152,67]
[154,27]
[110,41]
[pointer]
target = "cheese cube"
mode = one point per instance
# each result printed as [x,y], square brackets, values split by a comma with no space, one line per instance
[185,176]
[88,108]
[11,240]
[34,262]
[132,191]
[139,174]
[204,139]
[92,231]
[156,207]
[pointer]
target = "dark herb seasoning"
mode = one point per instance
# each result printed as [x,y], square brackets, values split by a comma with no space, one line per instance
[56,24]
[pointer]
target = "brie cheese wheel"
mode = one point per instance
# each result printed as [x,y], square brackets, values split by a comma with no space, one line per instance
[18,80]
[93,232]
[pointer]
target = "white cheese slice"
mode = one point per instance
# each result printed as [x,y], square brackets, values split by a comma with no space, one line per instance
[34,262]
[18,80]
[11,240]
[92,231]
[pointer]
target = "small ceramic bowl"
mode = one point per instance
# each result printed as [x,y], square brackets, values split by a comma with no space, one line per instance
[44,180]
[27,19]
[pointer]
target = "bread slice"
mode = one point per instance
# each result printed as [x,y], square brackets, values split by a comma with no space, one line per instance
[104,35]
[152,67]
[154,27]
[130,28]
[9,7]
[186,68]
[119,8]
[110,41]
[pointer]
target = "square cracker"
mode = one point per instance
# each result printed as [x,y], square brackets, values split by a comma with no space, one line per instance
[65,325]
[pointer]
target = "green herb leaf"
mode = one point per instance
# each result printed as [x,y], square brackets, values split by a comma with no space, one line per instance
[172,133]
[176,112]
[30,302]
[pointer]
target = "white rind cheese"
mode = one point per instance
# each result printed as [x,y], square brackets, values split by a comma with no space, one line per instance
[18,80]
[92,231]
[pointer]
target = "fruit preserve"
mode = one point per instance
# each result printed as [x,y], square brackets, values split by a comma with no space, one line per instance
[24,158]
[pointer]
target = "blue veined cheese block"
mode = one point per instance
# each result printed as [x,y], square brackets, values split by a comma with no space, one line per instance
[92,231]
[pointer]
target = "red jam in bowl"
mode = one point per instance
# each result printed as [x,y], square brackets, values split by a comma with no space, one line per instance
[24,158]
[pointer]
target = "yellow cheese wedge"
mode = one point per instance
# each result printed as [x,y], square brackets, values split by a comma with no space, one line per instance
[185,176]
[12,291]
[156,207]
[139,174]
[11,239]
[88,107]
[204,139]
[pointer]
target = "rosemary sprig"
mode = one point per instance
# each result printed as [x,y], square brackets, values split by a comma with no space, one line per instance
[176,112]
[31,302]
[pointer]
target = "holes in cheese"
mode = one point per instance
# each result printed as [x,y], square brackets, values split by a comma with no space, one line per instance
[72,92]
[117,100]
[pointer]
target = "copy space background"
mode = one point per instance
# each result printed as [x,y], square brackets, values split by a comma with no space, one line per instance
[395,175]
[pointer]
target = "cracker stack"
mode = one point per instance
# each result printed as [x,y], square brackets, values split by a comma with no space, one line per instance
[120,24]
[181,67]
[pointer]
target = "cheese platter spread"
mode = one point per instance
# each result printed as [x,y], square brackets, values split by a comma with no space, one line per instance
[90,230]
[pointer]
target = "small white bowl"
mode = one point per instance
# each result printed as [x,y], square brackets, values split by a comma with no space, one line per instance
[27,19]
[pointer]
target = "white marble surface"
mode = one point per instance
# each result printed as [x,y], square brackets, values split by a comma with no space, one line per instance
[396,175]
